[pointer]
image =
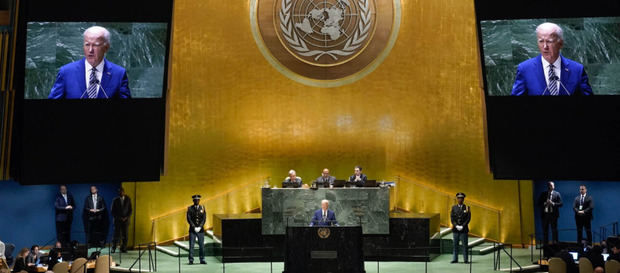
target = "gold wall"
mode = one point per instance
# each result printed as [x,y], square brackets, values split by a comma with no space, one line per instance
[234,120]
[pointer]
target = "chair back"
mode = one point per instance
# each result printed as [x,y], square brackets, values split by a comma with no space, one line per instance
[103,263]
[585,265]
[61,267]
[8,253]
[557,265]
[79,265]
[612,266]
[4,267]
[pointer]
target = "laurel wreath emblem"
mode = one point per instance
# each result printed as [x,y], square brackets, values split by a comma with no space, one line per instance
[353,43]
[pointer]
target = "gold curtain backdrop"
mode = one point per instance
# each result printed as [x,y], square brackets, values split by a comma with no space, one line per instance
[234,120]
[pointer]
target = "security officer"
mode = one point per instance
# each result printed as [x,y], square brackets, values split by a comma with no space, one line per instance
[460,216]
[196,217]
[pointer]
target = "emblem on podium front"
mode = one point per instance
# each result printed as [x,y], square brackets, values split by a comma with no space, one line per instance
[325,42]
[323,232]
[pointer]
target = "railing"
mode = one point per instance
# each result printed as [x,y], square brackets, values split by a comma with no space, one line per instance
[499,248]
[240,199]
[426,199]
[610,229]
[149,247]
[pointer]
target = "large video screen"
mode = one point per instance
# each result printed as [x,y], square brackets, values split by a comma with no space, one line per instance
[90,87]
[588,56]
[57,60]
[551,75]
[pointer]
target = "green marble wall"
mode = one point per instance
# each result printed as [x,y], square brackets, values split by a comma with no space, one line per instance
[138,47]
[594,42]
[371,205]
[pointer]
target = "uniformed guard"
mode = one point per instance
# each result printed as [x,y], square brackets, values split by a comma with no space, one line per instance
[460,216]
[196,217]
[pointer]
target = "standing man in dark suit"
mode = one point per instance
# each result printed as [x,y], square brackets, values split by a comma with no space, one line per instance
[358,178]
[324,217]
[64,215]
[196,218]
[550,203]
[325,179]
[96,218]
[583,206]
[121,211]
[460,217]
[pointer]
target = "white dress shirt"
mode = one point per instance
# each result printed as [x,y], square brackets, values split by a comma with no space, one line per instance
[66,200]
[557,68]
[99,73]
[95,201]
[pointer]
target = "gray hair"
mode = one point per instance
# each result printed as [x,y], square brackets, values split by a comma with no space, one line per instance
[104,31]
[325,201]
[556,29]
[292,172]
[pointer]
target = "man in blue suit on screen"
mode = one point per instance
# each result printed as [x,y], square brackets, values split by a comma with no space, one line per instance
[550,74]
[92,77]
[324,217]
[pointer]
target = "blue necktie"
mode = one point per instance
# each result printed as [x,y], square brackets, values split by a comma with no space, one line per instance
[92,88]
[553,82]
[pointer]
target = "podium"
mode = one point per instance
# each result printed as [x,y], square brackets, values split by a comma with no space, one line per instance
[324,250]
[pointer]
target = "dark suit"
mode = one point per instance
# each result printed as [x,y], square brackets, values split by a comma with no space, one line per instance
[20,264]
[96,222]
[460,216]
[53,257]
[71,82]
[287,183]
[319,220]
[530,79]
[121,209]
[550,214]
[196,217]
[64,218]
[584,220]
[358,183]
[325,181]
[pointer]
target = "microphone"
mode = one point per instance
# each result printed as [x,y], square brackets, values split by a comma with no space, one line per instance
[96,82]
[90,83]
[104,93]
[562,86]
[553,78]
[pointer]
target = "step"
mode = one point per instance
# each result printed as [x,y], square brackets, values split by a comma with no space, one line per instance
[446,243]
[185,244]
[211,247]
[172,250]
[485,248]
[475,241]
[527,268]
[124,269]
[442,232]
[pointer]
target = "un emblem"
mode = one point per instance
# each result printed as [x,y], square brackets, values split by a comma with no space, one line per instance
[323,233]
[325,42]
